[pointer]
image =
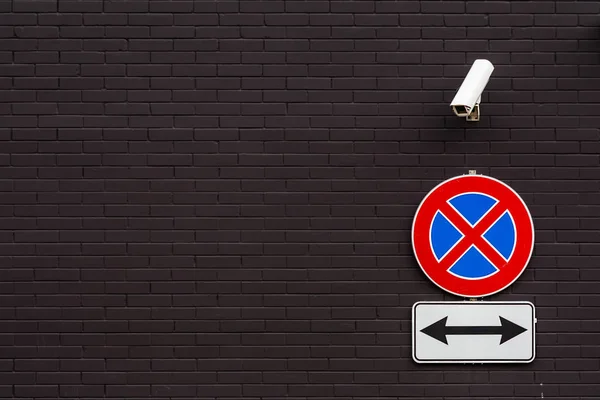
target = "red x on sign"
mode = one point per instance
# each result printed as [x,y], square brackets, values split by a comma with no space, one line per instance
[455,265]
[472,236]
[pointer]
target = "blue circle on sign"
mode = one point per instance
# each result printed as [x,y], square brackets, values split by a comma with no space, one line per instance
[473,264]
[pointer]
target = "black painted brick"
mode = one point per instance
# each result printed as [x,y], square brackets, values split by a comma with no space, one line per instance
[212,199]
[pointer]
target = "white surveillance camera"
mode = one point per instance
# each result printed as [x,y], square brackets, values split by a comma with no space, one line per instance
[467,99]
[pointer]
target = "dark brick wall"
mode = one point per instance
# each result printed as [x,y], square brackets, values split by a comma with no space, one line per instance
[213,199]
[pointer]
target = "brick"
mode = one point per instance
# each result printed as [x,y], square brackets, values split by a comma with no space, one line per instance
[441,7]
[578,8]
[311,6]
[514,20]
[555,20]
[244,19]
[443,33]
[262,6]
[533,7]
[376,20]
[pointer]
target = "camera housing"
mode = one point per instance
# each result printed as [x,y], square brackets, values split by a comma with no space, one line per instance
[467,98]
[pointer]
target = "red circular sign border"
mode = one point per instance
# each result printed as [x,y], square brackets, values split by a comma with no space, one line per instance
[521,255]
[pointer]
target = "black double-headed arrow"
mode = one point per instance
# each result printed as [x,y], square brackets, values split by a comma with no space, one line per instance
[508,330]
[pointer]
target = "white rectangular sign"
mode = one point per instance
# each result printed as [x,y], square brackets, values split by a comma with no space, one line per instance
[473,332]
